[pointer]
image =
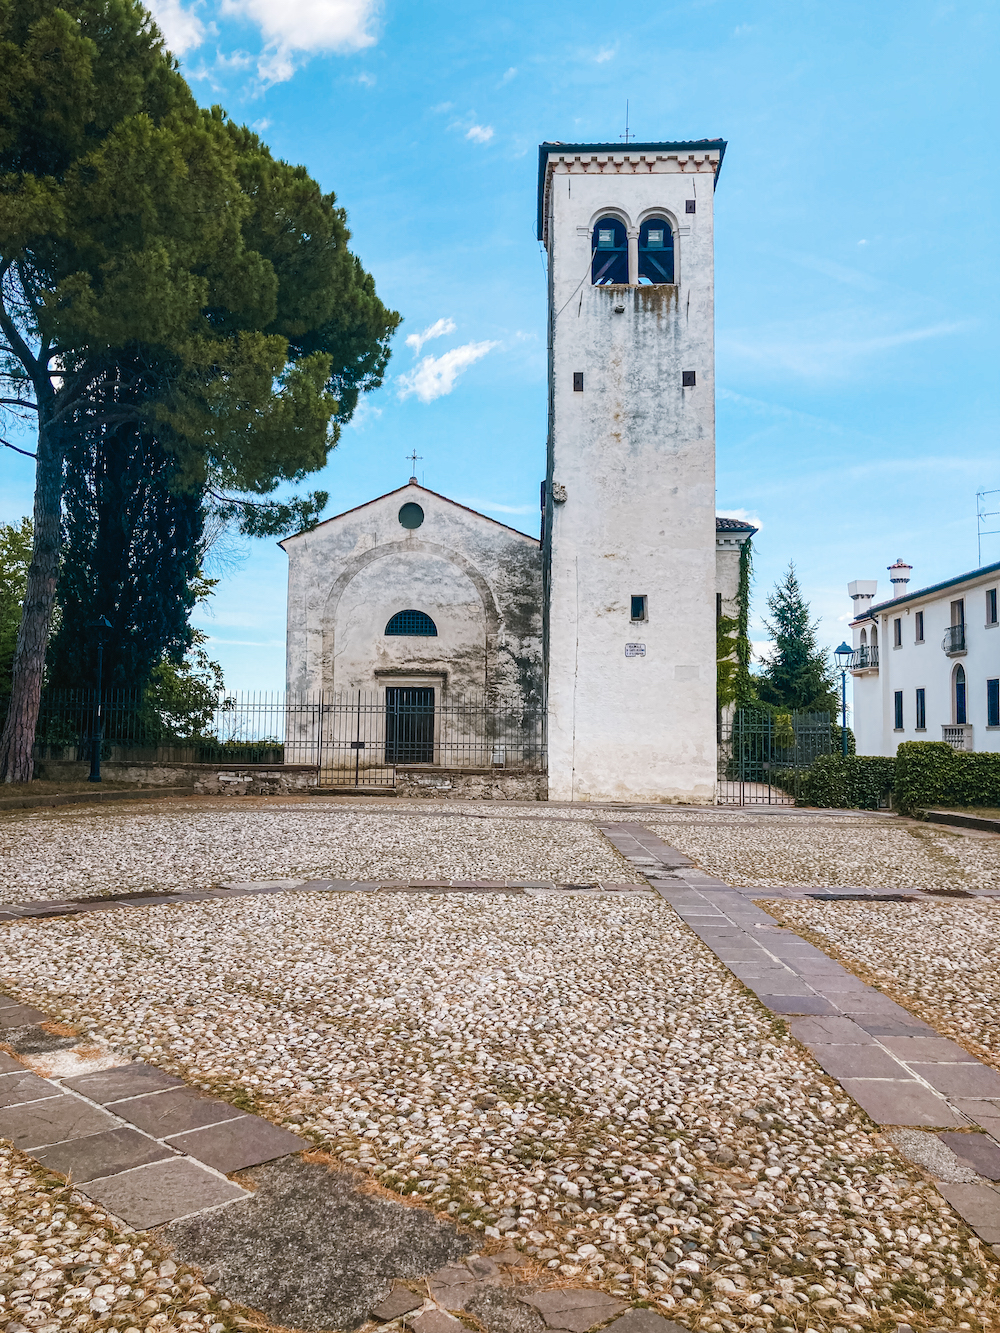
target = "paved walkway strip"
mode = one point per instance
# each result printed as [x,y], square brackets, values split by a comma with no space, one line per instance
[134,1139]
[899,1070]
[250,888]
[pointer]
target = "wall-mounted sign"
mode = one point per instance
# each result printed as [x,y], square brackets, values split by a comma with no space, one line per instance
[635,650]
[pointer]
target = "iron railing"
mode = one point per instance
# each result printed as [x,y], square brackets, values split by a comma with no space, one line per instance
[763,756]
[954,639]
[865,657]
[353,737]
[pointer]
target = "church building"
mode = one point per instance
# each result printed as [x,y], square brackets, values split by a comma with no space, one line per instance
[607,626]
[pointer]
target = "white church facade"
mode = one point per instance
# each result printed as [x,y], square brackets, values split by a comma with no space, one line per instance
[607,625]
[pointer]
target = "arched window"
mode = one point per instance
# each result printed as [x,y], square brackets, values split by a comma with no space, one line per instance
[412,622]
[656,252]
[874,637]
[610,249]
[960,711]
[864,638]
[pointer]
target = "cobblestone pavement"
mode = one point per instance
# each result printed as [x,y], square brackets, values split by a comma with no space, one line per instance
[579,1073]
[193,844]
[64,1264]
[764,851]
[941,960]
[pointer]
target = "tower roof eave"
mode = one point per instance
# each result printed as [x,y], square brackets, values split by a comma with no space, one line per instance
[545,150]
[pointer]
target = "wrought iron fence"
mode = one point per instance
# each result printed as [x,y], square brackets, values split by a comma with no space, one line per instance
[763,756]
[352,737]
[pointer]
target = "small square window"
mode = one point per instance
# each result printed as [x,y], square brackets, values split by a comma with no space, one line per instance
[690,205]
[993,703]
[991,606]
[899,710]
[654,239]
[578,381]
[638,608]
[918,627]
[605,239]
[688,379]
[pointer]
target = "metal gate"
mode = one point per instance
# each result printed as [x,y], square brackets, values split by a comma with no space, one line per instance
[354,749]
[763,755]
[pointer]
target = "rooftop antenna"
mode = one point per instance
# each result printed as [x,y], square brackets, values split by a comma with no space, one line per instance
[983,515]
[627,135]
[414,458]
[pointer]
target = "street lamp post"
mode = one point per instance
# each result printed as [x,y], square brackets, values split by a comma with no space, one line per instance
[843,656]
[102,625]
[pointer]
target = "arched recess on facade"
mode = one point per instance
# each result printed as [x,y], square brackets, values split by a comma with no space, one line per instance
[359,562]
[959,701]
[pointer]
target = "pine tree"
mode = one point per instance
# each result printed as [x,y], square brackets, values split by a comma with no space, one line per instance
[798,676]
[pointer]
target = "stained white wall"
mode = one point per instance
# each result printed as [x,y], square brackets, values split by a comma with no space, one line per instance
[479,581]
[635,453]
[926,666]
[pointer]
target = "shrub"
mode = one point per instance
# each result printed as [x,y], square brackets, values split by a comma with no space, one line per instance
[931,773]
[859,782]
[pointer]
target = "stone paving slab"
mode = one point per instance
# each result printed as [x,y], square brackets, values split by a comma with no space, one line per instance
[862,1061]
[400,1301]
[573,1310]
[644,1321]
[21,1085]
[148,1196]
[132,1080]
[979,1205]
[164,1114]
[234,1145]
[830,1031]
[104,1154]
[53,1120]
[436,1321]
[978,1150]
[925,1049]
[8,1065]
[19,1015]
[969,1079]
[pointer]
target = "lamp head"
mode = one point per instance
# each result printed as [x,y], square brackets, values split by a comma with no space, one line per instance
[843,655]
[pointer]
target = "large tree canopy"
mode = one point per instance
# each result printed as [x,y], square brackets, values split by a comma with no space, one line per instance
[134,225]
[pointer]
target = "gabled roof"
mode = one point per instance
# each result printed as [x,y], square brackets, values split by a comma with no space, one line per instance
[678,146]
[411,490]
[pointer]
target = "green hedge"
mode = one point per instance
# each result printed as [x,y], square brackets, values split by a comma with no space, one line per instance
[931,773]
[859,782]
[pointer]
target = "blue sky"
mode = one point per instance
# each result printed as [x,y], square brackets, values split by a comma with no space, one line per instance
[856,275]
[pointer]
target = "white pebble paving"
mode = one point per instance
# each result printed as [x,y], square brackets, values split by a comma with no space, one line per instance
[581,1074]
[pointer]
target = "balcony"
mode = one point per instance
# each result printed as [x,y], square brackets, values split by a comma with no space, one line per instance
[865,659]
[954,641]
[958,736]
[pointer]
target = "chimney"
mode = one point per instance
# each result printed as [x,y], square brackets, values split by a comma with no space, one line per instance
[862,593]
[899,574]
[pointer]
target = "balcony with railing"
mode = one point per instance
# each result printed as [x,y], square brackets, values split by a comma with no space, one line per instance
[865,658]
[954,641]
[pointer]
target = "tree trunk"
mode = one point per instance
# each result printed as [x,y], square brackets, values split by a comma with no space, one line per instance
[17,742]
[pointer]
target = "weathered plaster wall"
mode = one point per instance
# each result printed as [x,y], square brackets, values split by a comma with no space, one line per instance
[479,581]
[635,453]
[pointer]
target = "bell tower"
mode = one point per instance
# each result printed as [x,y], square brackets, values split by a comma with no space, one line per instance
[629,541]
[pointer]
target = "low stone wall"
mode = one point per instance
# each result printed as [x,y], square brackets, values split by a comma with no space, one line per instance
[471,784]
[206,779]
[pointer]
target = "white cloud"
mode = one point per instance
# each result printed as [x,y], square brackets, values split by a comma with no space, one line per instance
[744,516]
[438,329]
[181,28]
[605,53]
[808,349]
[436,376]
[292,26]
[480,133]
[367,80]
[511,74]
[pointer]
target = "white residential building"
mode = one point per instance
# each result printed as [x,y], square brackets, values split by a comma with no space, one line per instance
[926,664]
